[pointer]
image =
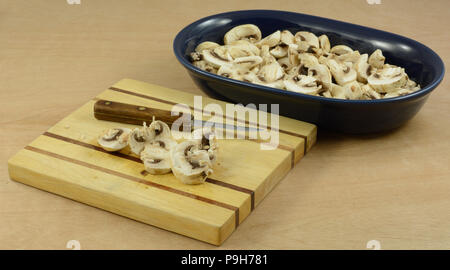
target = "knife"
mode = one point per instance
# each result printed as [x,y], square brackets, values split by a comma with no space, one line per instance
[136,115]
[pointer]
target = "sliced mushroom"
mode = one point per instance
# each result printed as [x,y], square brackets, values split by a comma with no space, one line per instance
[248,32]
[190,164]
[387,79]
[138,138]
[242,48]
[271,40]
[308,59]
[363,69]
[398,93]
[284,63]
[279,51]
[207,45]
[353,90]
[293,55]
[342,73]
[114,139]
[286,38]
[253,78]
[205,66]
[267,57]
[207,139]
[303,84]
[217,57]
[159,130]
[271,72]
[231,72]
[298,70]
[352,57]
[196,56]
[376,59]
[326,94]
[341,92]
[306,41]
[324,43]
[369,93]
[322,74]
[341,50]
[412,85]
[247,62]
[156,159]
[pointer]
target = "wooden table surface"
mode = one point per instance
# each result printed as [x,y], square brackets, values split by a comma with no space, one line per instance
[393,188]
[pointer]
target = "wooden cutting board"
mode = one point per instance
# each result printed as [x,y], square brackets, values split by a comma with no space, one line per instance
[67,160]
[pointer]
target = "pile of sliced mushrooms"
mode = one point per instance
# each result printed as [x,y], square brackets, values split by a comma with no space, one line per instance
[302,63]
[191,161]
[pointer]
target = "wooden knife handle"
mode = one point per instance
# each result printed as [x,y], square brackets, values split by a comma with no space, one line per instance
[130,114]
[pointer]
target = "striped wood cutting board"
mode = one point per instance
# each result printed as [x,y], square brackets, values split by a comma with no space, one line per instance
[66,160]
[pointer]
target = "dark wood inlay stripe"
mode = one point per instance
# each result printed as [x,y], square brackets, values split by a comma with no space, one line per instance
[238,188]
[144,173]
[292,154]
[90,146]
[225,116]
[139,180]
[142,96]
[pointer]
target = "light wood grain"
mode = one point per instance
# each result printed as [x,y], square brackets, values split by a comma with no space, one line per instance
[348,190]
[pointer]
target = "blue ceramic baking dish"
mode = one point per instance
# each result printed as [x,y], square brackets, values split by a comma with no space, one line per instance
[350,116]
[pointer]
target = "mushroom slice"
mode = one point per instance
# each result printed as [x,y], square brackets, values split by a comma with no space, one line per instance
[138,138]
[298,70]
[369,93]
[279,51]
[255,70]
[353,90]
[232,72]
[159,130]
[271,40]
[114,139]
[207,45]
[207,138]
[248,32]
[190,164]
[376,59]
[388,79]
[352,57]
[324,43]
[412,85]
[342,73]
[284,63]
[303,38]
[196,56]
[293,55]
[322,74]
[303,84]
[253,78]
[286,38]
[205,66]
[326,94]
[247,62]
[242,48]
[398,93]
[363,69]
[338,91]
[217,57]
[308,59]
[341,50]
[156,159]
[271,72]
